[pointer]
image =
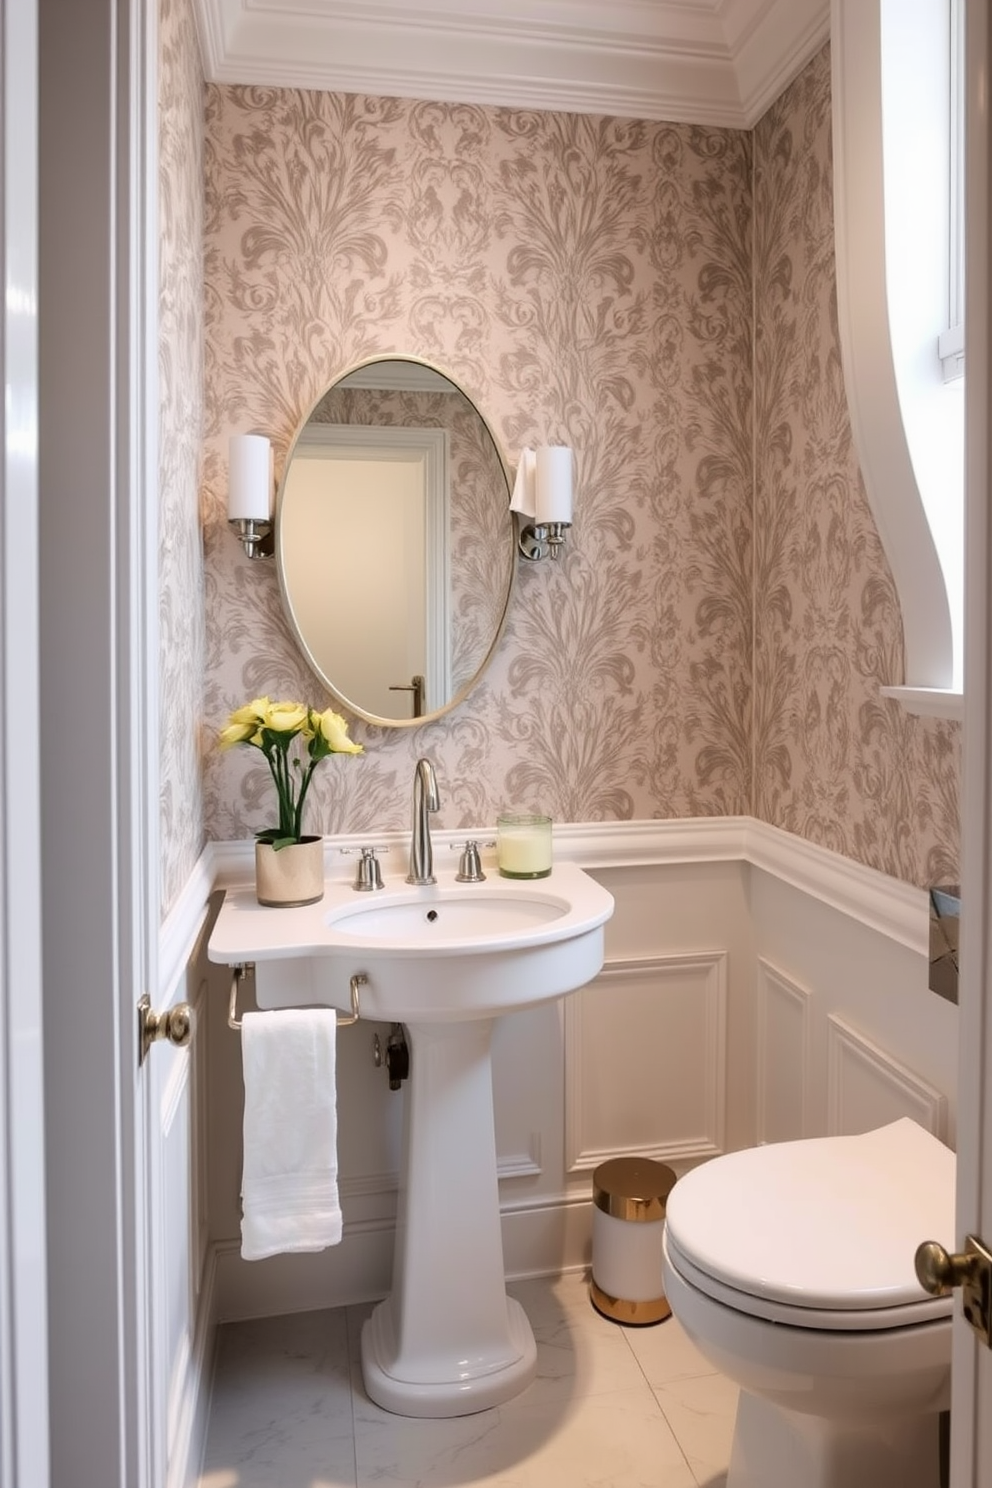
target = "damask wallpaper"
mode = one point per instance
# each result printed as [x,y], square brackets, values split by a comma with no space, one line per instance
[833,760]
[661,298]
[180,373]
[587,280]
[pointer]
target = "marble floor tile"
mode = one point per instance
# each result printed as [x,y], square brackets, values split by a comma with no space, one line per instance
[666,1352]
[611,1407]
[701,1410]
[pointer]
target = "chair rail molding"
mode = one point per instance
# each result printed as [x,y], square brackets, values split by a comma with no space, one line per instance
[892,908]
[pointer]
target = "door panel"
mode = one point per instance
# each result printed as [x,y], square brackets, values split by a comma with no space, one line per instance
[971,1407]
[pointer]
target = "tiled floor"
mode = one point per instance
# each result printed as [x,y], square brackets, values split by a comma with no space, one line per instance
[611,1407]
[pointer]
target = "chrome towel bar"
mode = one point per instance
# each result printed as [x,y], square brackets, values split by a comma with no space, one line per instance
[247,969]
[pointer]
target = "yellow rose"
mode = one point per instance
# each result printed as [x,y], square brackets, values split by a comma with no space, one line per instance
[335,731]
[284,718]
[253,713]
[236,733]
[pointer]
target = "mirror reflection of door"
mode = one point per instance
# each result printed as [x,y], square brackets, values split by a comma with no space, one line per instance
[353,491]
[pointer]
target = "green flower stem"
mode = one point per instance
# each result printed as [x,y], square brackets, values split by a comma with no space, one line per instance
[304,787]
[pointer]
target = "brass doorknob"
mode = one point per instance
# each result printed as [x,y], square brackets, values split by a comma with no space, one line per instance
[939,1273]
[971,1270]
[176,1025]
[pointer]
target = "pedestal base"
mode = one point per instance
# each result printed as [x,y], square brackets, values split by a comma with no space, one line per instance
[458,1396]
[447,1340]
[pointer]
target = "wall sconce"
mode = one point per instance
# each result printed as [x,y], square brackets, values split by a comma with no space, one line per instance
[542,499]
[249,493]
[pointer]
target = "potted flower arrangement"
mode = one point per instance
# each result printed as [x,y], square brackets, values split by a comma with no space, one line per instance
[289,865]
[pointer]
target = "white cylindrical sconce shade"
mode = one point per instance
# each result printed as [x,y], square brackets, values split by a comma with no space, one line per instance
[249,478]
[553,496]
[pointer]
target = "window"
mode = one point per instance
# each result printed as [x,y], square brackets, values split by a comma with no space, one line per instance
[893,195]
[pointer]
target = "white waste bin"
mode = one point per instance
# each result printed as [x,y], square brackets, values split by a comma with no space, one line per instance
[629,1195]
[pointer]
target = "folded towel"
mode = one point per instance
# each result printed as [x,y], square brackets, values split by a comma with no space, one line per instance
[289,1186]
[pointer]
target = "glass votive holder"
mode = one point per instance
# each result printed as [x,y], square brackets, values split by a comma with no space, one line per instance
[523,846]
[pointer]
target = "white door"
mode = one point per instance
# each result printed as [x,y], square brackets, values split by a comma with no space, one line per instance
[971,1406]
[23,1287]
[95,730]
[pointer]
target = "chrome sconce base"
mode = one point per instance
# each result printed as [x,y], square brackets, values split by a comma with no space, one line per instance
[537,540]
[256,537]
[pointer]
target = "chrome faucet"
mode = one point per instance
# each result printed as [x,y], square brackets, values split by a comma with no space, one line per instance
[425,800]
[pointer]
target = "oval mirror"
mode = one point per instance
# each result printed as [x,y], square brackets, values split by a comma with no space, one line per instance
[394,541]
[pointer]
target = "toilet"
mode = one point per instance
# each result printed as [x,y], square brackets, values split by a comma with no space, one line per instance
[791,1267]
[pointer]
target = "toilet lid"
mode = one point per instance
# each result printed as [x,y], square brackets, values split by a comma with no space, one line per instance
[829,1224]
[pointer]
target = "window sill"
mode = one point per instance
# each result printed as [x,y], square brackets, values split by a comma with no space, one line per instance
[929,702]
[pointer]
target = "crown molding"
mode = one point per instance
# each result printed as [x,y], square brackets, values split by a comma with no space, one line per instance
[716,62]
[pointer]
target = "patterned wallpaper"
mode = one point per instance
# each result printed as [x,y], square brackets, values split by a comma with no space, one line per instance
[834,761]
[587,280]
[590,281]
[180,370]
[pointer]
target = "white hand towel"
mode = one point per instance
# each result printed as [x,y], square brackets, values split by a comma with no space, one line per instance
[289,1186]
[524,498]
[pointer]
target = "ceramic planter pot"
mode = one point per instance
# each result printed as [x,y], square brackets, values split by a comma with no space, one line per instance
[292,876]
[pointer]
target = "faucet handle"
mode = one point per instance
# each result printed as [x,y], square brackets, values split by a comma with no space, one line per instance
[369,875]
[470,866]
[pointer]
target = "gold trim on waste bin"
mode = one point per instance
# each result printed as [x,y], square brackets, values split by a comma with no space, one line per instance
[636,1314]
[632,1188]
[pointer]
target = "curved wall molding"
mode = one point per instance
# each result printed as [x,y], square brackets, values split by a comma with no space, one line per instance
[883,397]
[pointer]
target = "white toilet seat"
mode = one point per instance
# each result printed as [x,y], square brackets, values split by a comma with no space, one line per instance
[835,1319]
[822,1232]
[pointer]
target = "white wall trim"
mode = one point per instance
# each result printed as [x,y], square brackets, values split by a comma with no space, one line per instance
[775,990]
[851,1055]
[897,910]
[700,64]
[24,1313]
[182,925]
[360,1268]
[884,383]
[521,1164]
[190,1408]
[582,1152]
[928,702]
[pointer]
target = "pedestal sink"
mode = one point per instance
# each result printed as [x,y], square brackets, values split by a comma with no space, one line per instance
[446,961]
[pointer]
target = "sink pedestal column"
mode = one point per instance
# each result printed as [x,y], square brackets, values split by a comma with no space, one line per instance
[448,1341]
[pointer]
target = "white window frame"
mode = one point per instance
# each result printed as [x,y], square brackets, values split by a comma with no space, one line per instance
[950,345]
[892,189]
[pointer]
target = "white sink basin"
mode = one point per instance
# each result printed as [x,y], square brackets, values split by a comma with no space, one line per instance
[443,953]
[462,918]
[446,961]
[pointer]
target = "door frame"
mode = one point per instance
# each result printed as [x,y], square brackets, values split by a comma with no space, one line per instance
[98,730]
[971,1383]
[24,1416]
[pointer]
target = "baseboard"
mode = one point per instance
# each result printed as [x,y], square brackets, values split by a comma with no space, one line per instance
[188,1440]
[539,1239]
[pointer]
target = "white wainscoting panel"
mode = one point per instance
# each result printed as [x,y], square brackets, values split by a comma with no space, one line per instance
[867,1087]
[645,1054]
[783,1056]
[174,1221]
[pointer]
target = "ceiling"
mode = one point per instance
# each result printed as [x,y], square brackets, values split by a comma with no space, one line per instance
[686,61]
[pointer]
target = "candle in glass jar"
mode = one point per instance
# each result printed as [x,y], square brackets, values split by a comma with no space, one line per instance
[523,846]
